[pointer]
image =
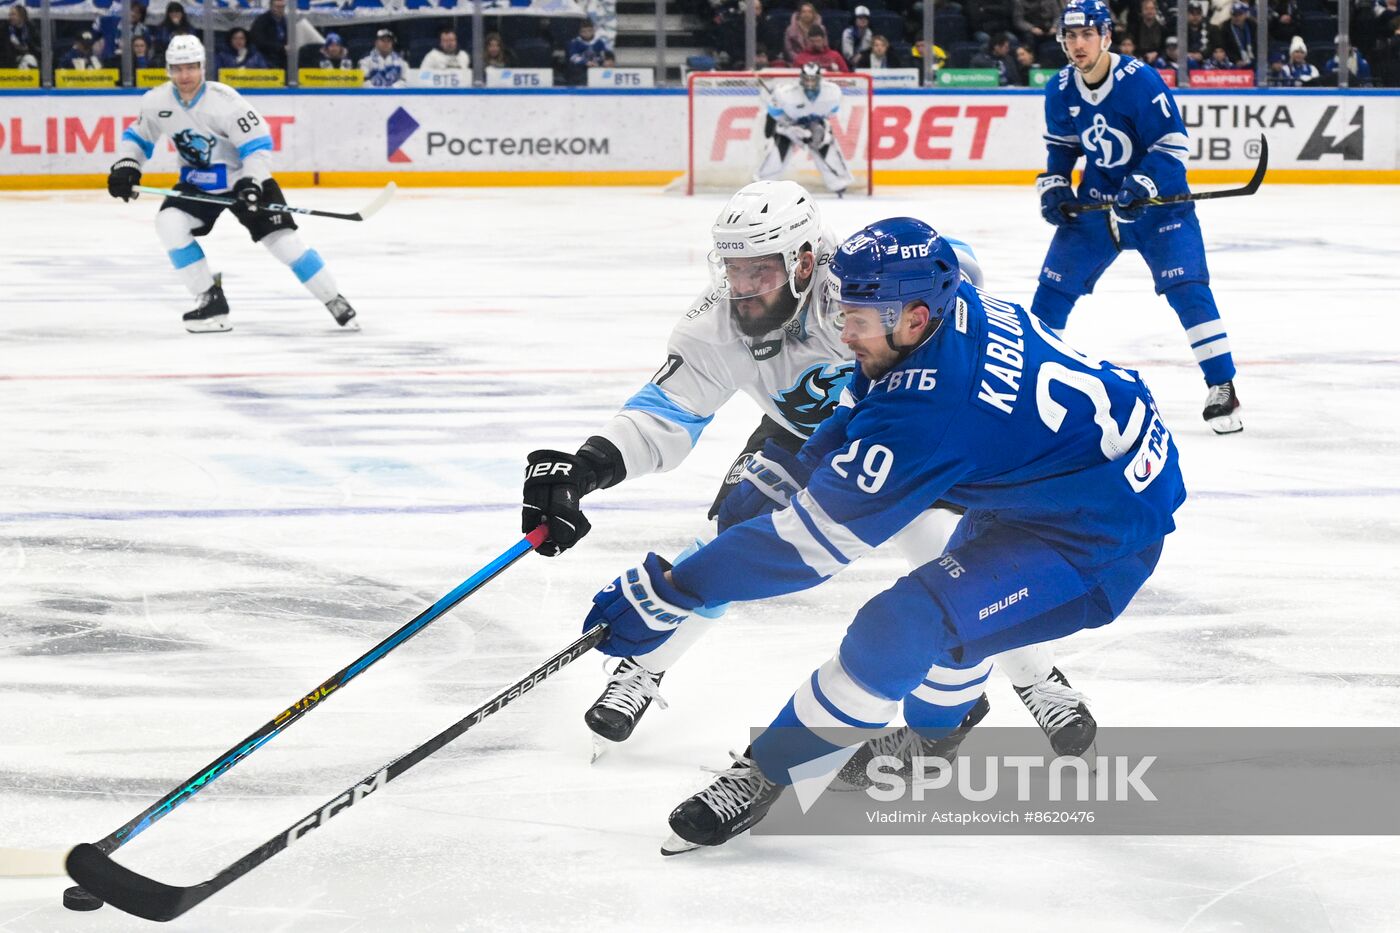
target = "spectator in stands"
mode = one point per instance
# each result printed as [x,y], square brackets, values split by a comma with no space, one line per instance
[603,14]
[1126,46]
[585,51]
[1389,60]
[142,55]
[1299,70]
[21,45]
[1237,36]
[384,67]
[1218,60]
[1197,34]
[269,34]
[1284,20]
[495,54]
[446,57]
[332,55]
[798,37]
[110,25]
[1357,67]
[237,53]
[882,56]
[828,59]
[857,39]
[1149,30]
[1025,62]
[940,58]
[1037,19]
[175,23]
[1277,76]
[989,16]
[81,56]
[997,55]
[1171,55]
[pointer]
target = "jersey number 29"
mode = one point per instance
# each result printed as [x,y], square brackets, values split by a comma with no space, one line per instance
[874,469]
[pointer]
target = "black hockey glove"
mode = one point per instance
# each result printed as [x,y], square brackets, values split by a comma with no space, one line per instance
[1055,192]
[125,175]
[554,484]
[247,195]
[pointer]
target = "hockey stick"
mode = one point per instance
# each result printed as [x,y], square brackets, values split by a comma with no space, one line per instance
[210,772]
[1251,186]
[154,900]
[364,213]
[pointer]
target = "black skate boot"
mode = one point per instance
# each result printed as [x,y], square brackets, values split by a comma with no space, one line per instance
[211,314]
[1062,713]
[616,712]
[737,799]
[342,312]
[904,744]
[1222,409]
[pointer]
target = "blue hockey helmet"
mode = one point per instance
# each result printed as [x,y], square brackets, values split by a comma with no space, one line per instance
[1085,13]
[889,265]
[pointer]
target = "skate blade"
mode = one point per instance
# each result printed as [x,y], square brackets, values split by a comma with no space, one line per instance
[600,748]
[675,845]
[213,325]
[1226,424]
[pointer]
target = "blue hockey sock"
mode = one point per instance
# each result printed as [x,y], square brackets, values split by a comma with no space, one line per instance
[1052,306]
[1205,332]
[934,722]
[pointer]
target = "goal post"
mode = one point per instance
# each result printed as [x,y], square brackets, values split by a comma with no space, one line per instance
[727,112]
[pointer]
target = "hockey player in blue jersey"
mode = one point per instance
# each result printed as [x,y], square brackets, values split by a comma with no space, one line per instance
[1068,475]
[1116,112]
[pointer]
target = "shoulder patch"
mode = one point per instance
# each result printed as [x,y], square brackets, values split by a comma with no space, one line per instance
[704,303]
[960,317]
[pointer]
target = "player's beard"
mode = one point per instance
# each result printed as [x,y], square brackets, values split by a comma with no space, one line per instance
[760,314]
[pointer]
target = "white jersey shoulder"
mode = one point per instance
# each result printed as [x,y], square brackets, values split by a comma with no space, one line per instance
[790,102]
[219,137]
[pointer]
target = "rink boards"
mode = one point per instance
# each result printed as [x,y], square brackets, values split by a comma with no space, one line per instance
[639,137]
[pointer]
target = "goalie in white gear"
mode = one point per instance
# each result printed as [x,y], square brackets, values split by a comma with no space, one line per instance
[752,331]
[798,114]
[224,148]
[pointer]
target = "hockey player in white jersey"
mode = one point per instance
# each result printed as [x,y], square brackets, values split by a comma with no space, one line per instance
[754,332]
[798,114]
[224,147]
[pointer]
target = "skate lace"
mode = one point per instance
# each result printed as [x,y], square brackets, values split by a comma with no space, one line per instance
[895,744]
[1053,704]
[1219,395]
[735,788]
[629,687]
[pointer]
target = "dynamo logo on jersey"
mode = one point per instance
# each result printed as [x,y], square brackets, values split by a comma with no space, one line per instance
[400,127]
[814,396]
[195,149]
[1114,146]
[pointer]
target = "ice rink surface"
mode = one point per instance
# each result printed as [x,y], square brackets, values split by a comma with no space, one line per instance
[196,528]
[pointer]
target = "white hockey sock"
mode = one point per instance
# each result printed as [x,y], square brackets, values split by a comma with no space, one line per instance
[1026,666]
[173,226]
[688,633]
[307,264]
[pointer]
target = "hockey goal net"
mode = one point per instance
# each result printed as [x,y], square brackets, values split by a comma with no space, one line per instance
[727,116]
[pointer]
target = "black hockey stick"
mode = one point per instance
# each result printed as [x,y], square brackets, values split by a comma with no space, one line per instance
[1251,186]
[364,213]
[210,772]
[154,900]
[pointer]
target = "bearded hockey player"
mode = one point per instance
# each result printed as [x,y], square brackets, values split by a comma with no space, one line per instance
[224,148]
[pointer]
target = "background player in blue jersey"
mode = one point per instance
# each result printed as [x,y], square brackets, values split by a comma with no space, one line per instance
[1068,475]
[1116,112]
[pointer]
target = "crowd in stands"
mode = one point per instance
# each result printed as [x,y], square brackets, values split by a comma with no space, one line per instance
[1015,36]
[1012,37]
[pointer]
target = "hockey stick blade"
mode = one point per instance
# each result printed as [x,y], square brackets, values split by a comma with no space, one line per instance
[1249,187]
[145,897]
[364,213]
[283,720]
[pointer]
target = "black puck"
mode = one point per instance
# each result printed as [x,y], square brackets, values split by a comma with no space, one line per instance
[75,898]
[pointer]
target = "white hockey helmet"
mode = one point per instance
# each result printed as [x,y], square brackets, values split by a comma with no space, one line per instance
[184,50]
[768,218]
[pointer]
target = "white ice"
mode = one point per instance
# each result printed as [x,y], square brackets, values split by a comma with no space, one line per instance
[194,529]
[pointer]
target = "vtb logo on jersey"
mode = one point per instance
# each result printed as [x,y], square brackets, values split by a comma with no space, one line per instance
[1113,146]
[194,148]
[814,395]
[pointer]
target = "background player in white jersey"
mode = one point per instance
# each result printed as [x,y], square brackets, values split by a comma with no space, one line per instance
[797,119]
[754,332]
[224,147]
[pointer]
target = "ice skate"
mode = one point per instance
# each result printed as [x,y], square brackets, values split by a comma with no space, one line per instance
[1222,411]
[1062,712]
[905,744]
[342,312]
[211,314]
[612,717]
[738,798]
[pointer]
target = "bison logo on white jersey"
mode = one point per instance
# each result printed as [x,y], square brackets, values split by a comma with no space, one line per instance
[1113,146]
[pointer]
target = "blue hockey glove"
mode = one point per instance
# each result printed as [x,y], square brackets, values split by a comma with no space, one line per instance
[771,478]
[640,608]
[1135,188]
[247,194]
[1055,192]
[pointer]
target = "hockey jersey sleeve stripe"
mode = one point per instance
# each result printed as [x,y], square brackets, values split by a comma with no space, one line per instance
[841,540]
[1070,141]
[144,145]
[255,145]
[791,525]
[653,400]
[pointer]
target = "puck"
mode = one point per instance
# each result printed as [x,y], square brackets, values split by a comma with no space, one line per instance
[75,898]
